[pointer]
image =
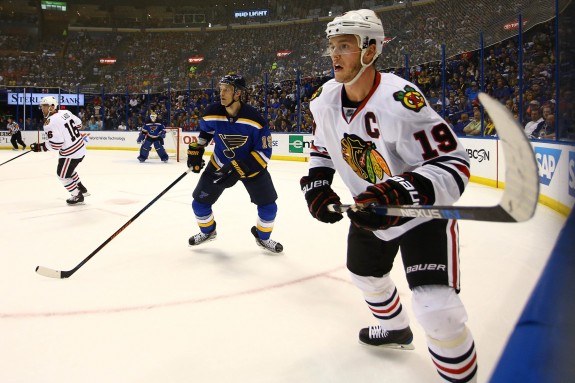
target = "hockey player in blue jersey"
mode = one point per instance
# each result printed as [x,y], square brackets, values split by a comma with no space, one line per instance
[243,148]
[153,133]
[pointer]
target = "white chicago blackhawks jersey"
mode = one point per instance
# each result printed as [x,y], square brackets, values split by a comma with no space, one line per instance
[394,130]
[63,131]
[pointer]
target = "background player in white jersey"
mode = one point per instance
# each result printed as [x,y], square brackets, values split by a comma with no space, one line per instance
[391,148]
[14,130]
[153,133]
[242,150]
[62,129]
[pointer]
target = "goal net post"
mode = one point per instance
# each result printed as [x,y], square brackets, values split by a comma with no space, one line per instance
[174,145]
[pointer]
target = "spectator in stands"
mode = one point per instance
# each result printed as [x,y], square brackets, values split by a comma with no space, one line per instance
[92,124]
[461,124]
[533,127]
[547,131]
[433,99]
[489,127]
[134,102]
[501,91]
[472,92]
[530,103]
[474,126]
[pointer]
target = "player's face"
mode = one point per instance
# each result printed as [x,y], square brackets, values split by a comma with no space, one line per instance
[45,109]
[345,57]
[226,94]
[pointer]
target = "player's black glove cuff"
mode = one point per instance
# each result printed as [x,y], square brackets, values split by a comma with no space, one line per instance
[318,194]
[41,147]
[231,173]
[195,160]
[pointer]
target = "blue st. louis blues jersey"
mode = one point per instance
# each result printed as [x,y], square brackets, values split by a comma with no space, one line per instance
[245,137]
[153,130]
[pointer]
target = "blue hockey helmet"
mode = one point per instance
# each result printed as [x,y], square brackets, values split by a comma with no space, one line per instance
[235,80]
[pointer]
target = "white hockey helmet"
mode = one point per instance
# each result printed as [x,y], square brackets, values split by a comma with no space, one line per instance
[363,23]
[153,116]
[50,101]
[52,104]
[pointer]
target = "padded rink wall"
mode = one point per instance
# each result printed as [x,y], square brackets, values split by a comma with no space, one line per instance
[542,346]
[556,160]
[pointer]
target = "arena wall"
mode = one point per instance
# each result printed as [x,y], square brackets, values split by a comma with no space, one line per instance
[556,161]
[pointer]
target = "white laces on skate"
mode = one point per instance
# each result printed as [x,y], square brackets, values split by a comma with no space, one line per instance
[270,243]
[377,332]
[202,237]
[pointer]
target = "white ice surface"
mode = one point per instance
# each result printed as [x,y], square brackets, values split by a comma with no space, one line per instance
[147,308]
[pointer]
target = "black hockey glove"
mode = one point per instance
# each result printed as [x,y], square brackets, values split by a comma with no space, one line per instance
[38,147]
[195,160]
[398,190]
[231,173]
[319,194]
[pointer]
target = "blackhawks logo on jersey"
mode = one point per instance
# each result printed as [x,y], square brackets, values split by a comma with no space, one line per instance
[363,158]
[410,98]
[316,93]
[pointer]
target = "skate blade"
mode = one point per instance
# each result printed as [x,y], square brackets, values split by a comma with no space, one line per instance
[393,346]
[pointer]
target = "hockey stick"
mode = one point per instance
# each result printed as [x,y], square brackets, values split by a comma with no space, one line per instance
[47,272]
[19,155]
[521,192]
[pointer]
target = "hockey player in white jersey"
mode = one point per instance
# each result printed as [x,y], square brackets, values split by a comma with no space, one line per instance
[62,129]
[391,148]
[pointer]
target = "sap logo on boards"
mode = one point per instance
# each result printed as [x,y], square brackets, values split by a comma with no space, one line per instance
[547,160]
[571,170]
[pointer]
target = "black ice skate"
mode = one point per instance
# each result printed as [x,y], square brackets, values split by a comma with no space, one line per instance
[376,336]
[200,238]
[268,244]
[76,200]
[83,190]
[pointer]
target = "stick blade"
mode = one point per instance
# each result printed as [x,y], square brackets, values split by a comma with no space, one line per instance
[50,273]
[521,192]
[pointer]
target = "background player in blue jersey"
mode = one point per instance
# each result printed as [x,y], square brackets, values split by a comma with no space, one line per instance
[153,133]
[243,148]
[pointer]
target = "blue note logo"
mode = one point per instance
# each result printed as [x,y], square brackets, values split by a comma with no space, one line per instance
[547,159]
[571,170]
